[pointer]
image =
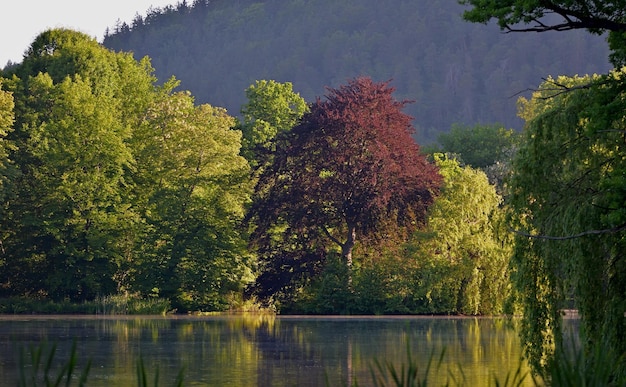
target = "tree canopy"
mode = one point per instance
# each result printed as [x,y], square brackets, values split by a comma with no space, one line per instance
[272,108]
[479,146]
[567,185]
[121,186]
[349,172]
[7,116]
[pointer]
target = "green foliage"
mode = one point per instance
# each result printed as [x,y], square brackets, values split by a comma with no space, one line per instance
[66,230]
[595,366]
[328,293]
[458,264]
[462,256]
[272,108]
[567,194]
[194,186]
[107,305]
[122,185]
[7,116]
[479,146]
[72,161]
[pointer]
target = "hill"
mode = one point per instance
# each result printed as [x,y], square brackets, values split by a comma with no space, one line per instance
[455,71]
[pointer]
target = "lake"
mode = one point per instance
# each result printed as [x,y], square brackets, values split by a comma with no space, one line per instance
[264,350]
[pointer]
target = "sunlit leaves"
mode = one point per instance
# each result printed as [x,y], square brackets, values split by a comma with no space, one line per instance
[566,191]
[118,175]
[272,108]
[462,255]
[7,116]
[193,189]
[74,185]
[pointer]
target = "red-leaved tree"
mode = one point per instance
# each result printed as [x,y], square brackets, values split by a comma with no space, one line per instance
[349,171]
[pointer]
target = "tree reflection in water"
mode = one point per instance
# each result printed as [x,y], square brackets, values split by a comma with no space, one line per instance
[266,350]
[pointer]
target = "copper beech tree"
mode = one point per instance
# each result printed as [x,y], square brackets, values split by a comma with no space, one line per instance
[349,171]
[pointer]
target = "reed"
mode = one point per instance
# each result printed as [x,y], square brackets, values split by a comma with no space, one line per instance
[42,370]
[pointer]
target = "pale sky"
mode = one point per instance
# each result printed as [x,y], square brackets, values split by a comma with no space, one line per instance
[23,20]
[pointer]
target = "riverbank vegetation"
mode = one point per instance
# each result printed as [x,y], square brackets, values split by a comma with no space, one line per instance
[121,194]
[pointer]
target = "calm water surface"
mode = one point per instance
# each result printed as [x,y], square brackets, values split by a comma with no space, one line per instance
[252,350]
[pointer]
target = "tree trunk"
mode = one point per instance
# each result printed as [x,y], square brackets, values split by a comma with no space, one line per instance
[346,248]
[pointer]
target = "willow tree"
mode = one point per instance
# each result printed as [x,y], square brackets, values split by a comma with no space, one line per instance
[349,172]
[568,193]
[567,187]
[462,255]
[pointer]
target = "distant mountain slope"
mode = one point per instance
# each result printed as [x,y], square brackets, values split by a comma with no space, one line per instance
[456,72]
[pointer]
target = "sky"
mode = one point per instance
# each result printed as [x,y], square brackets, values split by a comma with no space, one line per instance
[24,20]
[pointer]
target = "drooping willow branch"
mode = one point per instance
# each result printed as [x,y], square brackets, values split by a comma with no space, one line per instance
[574,236]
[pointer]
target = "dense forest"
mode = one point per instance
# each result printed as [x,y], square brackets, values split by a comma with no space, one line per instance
[456,72]
[116,184]
[118,181]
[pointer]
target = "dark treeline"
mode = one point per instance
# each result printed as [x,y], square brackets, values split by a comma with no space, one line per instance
[456,72]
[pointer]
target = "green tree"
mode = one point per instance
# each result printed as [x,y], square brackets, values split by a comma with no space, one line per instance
[7,117]
[478,146]
[123,185]
[7,171]
[568,194]
[487,147]
[567,184]
[349,172]
[66,230]
[73,192]
[272,108]
[462,256]
[193,187]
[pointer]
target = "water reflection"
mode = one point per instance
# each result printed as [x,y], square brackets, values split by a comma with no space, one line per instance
[253,350]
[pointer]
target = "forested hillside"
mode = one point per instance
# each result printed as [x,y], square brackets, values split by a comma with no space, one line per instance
[456,72]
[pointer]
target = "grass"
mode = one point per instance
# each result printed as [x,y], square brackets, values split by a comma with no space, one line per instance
[41,371]
[110,305]
[142,376]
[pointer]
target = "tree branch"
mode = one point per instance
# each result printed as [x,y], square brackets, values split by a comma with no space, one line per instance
[562,238]
[558,90]
[572,19]
[332,238]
